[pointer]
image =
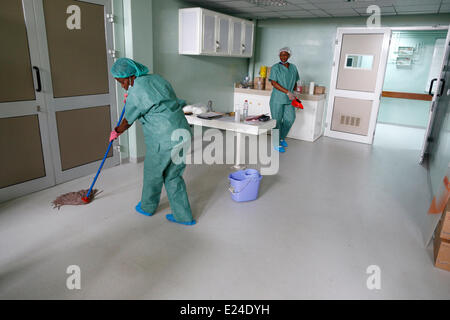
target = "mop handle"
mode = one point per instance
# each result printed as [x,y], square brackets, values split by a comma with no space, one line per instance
[106,154]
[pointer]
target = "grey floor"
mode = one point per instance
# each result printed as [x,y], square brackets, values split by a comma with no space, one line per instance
[334,209]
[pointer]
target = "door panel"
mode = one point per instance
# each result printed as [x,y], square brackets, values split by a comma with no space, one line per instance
[224,33]
[92,127]
[25,158]
[356,81]
[237,37]
[351,115]
[76,56]
[15,55]
[248,40]
[209,33]
[359,45]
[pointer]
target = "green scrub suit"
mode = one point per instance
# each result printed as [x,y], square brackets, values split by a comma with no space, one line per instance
[152,100]
[280,105]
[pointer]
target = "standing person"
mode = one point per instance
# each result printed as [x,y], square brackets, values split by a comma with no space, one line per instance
[284,77]
[152,100]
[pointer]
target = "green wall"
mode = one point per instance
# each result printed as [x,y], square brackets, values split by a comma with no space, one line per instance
[405,112]
[402,111]
[147,31]
[201,78]
[194,78]
[312,40]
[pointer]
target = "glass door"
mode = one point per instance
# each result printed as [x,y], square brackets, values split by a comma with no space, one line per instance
[438,94]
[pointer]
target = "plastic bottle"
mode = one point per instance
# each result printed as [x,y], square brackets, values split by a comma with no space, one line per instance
[300,86]
[311,88]
[237,114]
[245,110]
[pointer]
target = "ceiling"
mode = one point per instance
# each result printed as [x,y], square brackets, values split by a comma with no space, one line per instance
[323,8]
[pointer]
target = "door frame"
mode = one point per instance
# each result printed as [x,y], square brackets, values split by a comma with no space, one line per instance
[353,94]
[72,103]
[26,108]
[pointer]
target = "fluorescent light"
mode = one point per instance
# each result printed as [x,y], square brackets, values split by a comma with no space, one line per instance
[269,3]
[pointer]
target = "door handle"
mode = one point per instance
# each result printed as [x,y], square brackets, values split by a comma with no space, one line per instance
[38,79]
[442,88]
[431,86]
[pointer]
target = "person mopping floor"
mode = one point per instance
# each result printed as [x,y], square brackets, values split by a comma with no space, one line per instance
[152,101]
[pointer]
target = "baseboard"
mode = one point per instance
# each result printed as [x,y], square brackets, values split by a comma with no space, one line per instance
[401,125]
[137,160]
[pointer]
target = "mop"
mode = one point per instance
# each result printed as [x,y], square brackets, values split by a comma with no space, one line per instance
[85,196]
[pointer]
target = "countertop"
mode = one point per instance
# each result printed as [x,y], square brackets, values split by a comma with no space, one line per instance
[228,123]
[301,96]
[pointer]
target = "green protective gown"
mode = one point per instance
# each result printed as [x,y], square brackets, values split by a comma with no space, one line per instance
[280,105]
[152,100]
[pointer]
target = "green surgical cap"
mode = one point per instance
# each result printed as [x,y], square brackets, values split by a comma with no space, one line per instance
[125,68]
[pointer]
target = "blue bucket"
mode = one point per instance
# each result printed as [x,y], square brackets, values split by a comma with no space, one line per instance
[244,185]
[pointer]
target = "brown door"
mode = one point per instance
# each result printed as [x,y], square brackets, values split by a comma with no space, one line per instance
[79,90]
[25,161]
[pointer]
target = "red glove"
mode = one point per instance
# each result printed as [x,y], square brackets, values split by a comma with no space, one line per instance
[114,135]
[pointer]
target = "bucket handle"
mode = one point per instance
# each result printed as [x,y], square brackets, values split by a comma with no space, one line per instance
[231,189]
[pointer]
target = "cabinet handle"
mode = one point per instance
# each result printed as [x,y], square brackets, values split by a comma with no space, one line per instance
[243,48]
[217,45]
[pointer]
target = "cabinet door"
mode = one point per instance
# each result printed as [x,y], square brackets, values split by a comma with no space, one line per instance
[247,44]
[209,33]
[303,127]
[189,35]
[237,37]
[223,42]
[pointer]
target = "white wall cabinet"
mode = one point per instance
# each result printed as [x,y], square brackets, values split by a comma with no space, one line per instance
[205,32]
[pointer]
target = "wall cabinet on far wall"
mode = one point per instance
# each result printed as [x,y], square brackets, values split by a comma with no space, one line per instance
[205,32]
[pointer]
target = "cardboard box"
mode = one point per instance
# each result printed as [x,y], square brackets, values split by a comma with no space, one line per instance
[259,83]
[445,221]
[319,90]
[441,250]
[268,83]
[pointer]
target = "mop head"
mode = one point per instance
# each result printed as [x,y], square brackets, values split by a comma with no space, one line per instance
[74,198]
